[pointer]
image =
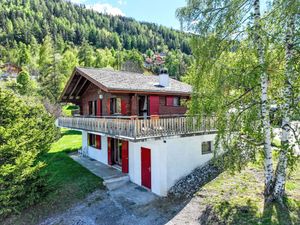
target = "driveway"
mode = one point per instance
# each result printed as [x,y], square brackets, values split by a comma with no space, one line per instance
[121,203]
[129,204]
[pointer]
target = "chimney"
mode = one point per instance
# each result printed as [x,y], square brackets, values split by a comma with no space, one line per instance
[164,77]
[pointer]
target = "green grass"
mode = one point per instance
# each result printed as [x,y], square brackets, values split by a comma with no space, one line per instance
[67,109]
[238,199]
[66,181]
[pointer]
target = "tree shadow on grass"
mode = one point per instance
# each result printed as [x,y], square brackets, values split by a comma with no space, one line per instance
[229,213]
[279,213]
[70,132]
[72,107]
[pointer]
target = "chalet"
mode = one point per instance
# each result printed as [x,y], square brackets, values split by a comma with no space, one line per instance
[138,124]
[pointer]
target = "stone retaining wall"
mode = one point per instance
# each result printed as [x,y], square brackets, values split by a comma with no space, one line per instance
[187,186]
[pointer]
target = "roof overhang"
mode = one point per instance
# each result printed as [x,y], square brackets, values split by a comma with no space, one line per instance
[77,85]
[79,82]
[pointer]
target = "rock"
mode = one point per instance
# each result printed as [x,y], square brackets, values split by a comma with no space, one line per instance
[188,185]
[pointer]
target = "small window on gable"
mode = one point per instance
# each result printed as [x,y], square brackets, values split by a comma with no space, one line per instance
[206,147]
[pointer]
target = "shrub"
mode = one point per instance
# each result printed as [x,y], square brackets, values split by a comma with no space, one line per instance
[26,132]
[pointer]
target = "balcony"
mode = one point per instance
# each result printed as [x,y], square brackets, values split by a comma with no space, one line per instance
[138,128]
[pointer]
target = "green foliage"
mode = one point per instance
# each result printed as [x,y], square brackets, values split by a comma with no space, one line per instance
[237,199]
[64,179]
[226,71]
[26,133]
[74,24]
[60,35]
[25,84]
[67,109]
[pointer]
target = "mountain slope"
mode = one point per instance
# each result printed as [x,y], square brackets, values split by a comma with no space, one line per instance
[20,20]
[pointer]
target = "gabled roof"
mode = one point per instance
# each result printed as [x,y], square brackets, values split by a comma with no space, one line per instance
[120,81]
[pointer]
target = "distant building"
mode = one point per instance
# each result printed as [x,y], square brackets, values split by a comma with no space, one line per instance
[9,71]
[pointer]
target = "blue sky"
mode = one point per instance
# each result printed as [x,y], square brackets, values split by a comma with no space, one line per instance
[157,11]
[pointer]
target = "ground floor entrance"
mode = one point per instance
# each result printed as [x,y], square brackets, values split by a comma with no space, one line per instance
[146,167]
[118,153]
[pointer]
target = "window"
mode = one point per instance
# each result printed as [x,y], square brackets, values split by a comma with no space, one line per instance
[206,147]
[169,101]
[95,108]
[115,105]
[172,101]
[176,101]
[94,140]
[90,108]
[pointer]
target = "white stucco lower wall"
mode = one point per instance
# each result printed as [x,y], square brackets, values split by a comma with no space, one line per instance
[171,158]
[158,164]
[184,155]
[97,154]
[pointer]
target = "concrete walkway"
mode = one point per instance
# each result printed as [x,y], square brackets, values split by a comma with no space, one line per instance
[98,168]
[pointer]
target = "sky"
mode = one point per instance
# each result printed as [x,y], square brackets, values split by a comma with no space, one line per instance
[161,12]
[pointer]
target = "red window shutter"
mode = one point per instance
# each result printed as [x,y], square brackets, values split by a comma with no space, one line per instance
[123,107]
[169,100]
[109,151]
[125,168]
[98,141]
[108,106]
[154,105]
[99,107]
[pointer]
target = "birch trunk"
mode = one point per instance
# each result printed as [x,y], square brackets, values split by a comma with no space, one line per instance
[280,175]
[268,163]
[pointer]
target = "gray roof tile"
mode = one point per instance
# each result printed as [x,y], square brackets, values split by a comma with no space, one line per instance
[129,81]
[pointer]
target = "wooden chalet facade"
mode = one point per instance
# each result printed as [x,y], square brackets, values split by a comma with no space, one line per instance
[137,123]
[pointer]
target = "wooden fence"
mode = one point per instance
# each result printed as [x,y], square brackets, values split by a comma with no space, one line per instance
[137,128]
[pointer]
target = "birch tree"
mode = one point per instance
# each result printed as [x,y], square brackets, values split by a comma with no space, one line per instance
[290,74]
[236,76]
[265,116]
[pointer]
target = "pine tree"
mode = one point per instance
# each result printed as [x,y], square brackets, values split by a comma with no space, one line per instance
[26,132]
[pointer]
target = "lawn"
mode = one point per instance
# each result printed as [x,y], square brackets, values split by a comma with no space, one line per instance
[67,182]
[238,199]
[67,109]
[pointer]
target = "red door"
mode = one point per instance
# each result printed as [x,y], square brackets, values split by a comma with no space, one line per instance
[99,107]
[125,156]
[146,167]
[154,105]
[123,108]
[108,106]
[109,151]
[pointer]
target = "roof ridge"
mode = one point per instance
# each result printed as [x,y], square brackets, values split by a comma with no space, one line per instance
[112,69]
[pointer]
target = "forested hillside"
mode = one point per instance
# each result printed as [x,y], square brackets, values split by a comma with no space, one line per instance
[21,20]
[47,39]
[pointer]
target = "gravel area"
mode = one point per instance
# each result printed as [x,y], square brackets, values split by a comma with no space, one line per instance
[119,207]
[131,204]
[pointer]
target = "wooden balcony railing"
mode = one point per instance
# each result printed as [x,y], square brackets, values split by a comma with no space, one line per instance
[136,128]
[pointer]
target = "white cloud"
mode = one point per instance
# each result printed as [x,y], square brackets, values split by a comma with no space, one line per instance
[106,8]
[122,2]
